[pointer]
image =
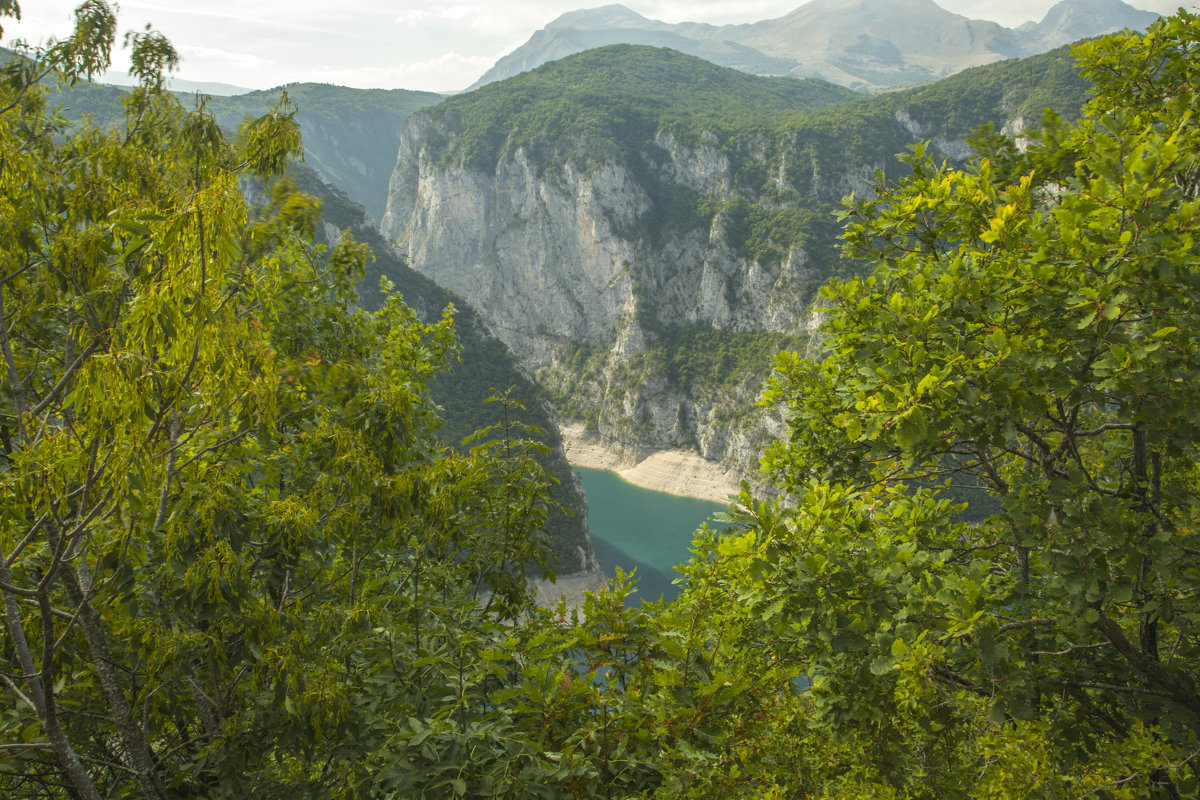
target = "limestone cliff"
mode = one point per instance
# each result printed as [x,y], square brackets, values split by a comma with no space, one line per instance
[646,274]
[566,273]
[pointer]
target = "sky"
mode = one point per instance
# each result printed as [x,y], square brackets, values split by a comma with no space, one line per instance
[401,44]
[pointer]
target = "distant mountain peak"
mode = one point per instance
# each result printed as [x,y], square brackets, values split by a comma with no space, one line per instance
[861,44]
[1104,9]
[1071,20]
[612,15]
[927,6]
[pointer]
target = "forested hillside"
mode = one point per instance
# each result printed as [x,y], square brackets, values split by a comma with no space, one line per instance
[350,135]
[645,229]
[483,367]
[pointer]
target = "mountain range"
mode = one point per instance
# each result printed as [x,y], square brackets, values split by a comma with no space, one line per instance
[861,44]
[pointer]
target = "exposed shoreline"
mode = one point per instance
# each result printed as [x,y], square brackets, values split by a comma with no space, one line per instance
[672,471]
[570,588]
[675,472]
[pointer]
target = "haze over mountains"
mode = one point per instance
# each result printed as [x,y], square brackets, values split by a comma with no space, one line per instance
[861,44]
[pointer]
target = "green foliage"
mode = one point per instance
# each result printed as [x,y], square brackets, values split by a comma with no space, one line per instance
[235,562]
[153,56]
[483,367]
[233,557]
[1030,330]
[616,99]
[706,359]
[765,235]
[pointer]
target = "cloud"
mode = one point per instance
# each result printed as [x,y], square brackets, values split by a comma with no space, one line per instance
[442,62]
[202,57]
[446,73]
[715,12]
[442,13]
[276,13]
[492,18]
[415,17]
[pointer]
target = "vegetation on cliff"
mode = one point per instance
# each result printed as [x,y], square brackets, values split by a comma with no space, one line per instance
[744,174]
[616,99]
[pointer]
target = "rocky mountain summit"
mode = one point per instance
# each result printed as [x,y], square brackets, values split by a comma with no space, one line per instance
[1081,19]
[861,44]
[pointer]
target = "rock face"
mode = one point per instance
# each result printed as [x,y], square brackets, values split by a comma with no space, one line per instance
[539,248]
[567,271]
[647,279]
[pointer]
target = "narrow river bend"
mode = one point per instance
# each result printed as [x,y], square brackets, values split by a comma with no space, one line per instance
[638,528]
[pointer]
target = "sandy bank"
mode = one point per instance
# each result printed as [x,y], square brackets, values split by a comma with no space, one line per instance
[672,471]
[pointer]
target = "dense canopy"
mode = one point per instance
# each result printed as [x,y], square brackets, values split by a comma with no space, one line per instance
[234,561]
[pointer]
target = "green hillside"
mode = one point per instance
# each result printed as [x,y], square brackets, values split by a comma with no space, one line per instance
[618,97]
[350,135]
[622,96]
[483,368]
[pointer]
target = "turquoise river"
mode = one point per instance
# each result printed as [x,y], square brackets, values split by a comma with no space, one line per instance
[638,528]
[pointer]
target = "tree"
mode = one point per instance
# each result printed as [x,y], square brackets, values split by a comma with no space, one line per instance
[117,274]
[992,568]
[233,558]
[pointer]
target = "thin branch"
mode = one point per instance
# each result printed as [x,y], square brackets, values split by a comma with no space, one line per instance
[1108,426]
[67,375]
[236,437]
[1028,623]
[1072,649]
[14,377]
[12,687]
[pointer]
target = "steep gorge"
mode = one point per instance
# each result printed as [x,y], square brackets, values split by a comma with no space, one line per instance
[645,258]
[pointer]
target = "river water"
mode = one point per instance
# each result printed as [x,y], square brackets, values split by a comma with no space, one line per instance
[638,528]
